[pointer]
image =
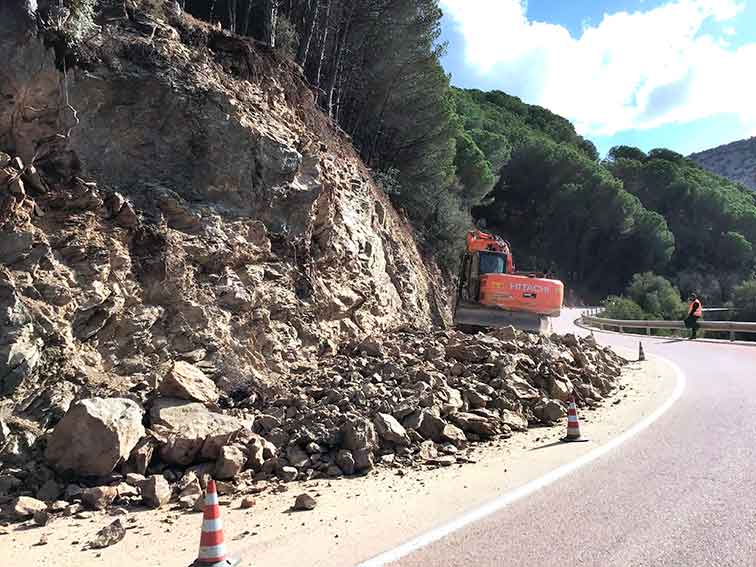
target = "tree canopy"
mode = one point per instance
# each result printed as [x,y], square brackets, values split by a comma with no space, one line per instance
[449,157]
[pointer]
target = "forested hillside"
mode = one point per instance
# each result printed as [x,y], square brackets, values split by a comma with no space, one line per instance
[449,157]
[735,161]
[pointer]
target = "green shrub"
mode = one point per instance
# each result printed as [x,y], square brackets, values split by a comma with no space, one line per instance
[623,308]
[656,297]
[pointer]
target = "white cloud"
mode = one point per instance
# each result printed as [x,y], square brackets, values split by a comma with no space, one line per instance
[631,70]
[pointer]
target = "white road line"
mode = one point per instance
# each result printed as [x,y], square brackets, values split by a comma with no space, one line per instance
[531,487]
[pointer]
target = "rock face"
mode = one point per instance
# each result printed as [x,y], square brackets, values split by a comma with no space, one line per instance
[187,382]
[189,431]
[95,435]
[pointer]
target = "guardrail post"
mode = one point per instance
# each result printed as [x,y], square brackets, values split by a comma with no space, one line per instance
[732,335]
[648,331]
[622,330]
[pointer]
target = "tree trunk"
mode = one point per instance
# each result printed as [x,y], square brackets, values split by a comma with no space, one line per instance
[323,44]
[246,18]
[271,18]
[304,45]
[338,60]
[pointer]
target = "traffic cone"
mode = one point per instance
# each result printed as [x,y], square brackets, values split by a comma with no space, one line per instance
[641,354]
[212,551]
[573,425]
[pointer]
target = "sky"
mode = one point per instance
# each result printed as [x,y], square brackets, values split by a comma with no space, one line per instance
[679,74]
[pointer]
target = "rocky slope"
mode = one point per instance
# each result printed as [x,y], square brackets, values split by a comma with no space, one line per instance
[735,161]
[198,277]
[179,197]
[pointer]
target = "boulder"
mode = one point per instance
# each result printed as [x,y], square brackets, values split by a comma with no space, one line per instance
[514,420]
[359,434]
[453,435]
[560,389]
[288,474]
[551,411]
[363,460]
[188,431]
[99,497]
[190,491]
[431,426]
[95,435]
[345,462]
[472,423]
[390,429]
[256,453]
[230,462]
[296,456]
[451,400]
[50,491]
[140,456]
[156,491]
[25,507]
[187,382]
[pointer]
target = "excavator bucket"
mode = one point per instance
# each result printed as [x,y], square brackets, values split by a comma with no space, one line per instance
[485,316]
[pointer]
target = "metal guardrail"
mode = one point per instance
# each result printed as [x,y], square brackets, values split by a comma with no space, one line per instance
[730,327]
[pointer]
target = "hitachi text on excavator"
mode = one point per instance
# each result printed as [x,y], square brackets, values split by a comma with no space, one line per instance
[491,293]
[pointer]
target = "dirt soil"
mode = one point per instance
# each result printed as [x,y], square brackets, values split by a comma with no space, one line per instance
[355,518]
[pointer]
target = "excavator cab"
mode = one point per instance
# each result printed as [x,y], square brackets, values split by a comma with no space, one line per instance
[492,294]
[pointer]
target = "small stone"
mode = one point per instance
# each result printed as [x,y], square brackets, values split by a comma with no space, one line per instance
[58,506]
[247,502]
[304,502]
[109,535]
[445,461]
[73,509]
[41,517]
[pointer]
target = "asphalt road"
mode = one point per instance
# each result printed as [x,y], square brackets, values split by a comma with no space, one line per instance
[681,493]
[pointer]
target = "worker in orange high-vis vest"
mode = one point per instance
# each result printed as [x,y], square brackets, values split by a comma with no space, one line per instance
[695,312]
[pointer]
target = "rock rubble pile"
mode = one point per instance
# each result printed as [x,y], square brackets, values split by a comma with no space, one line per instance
[411,398]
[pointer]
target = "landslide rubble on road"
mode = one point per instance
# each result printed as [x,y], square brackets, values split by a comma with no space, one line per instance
[409,399]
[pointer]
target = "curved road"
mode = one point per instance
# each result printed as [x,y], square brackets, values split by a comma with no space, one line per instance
[682,493]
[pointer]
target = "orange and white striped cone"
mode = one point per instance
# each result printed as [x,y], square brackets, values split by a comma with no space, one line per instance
[212,551]
[573,425]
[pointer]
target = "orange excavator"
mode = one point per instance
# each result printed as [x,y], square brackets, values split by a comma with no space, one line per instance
[491,293]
